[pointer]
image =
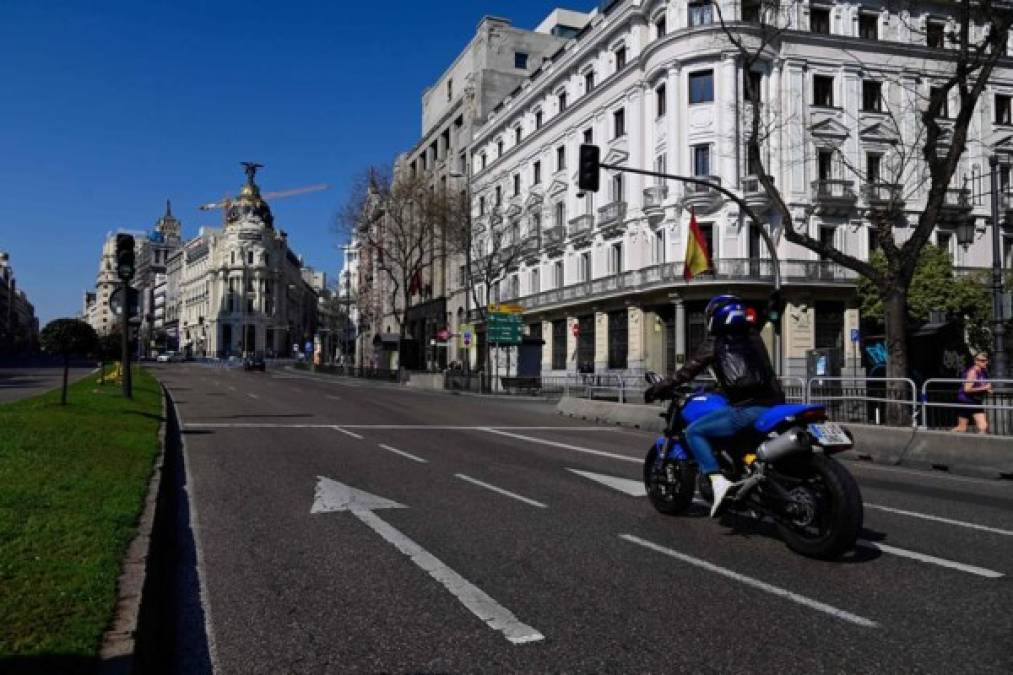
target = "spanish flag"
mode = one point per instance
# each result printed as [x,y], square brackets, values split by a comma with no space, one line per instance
[698,258]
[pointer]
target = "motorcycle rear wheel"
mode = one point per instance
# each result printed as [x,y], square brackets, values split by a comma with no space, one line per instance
[670,487]
[831,519]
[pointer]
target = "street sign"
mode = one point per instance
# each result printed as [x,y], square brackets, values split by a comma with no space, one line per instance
[855,335]
[116,301]
[576,330]
[505,329]
[506,309]
[466,334]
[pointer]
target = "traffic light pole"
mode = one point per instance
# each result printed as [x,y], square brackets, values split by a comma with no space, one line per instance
[778,367]
[128,389]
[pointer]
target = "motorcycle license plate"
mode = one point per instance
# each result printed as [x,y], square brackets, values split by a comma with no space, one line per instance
[829,434]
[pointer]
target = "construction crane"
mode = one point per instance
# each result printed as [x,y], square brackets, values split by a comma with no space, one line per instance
[224,202]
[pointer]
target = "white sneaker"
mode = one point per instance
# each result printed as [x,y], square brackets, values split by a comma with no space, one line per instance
[721,487]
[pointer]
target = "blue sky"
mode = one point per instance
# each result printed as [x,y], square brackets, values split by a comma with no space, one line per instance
[110,108]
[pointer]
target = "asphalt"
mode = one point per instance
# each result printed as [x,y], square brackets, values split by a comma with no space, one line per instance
[609,584]
[18,382]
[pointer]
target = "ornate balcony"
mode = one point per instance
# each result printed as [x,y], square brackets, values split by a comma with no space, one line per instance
[884,197]
[834,196]
[703,198]
[754,194]
[654,199]
[956,205]
[581,225]
[552,237]
[611,215]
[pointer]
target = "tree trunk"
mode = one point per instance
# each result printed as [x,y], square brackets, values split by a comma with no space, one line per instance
[895,320]
[63,392]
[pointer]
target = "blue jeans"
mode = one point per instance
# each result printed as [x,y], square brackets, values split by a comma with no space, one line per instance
[723,423]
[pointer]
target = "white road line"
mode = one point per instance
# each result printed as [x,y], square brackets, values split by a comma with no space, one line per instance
[634,488]
[940,519]
[347,432]
[926,475]
[501,491]
[565,446]
[755,583]
[232,388]
[931,559]
[382,427]
[403,454]
[333,398]
[475,599]
[252,395]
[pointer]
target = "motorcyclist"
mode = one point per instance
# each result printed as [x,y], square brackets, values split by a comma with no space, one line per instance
[738,358]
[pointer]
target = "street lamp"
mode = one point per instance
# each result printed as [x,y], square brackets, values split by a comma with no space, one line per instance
[998,320]
[467,249]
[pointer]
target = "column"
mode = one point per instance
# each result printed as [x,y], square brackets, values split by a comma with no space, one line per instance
[571,344]
[800,335]
[547,347]
[727,84]
[675,147]
[601,341]
[679,327]
[636,352]
[637,121]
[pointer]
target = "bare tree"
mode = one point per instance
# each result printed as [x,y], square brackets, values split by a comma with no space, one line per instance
[923,161]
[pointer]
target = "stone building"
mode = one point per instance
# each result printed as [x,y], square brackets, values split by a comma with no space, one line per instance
[658,85]
[19,327]
[96,309]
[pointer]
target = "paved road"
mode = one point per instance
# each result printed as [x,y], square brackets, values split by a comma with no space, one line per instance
[504,558]
[22,382]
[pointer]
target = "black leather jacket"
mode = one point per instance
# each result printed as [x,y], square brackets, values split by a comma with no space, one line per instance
[742,368]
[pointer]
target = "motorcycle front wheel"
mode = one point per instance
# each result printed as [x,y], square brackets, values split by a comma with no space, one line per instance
[827,513]
[669,486]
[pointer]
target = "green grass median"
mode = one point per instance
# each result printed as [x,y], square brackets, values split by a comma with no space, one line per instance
[72,485]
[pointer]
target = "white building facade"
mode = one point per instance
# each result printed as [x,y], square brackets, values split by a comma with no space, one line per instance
[657,85]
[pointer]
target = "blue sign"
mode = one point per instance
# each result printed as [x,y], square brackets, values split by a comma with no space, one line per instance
[309,347]
[855,335]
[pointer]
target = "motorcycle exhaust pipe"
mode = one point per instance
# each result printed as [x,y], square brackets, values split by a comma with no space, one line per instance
[792,442]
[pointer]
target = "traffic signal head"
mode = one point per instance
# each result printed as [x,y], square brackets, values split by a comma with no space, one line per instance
[125,256]
[775,307]
[589,168]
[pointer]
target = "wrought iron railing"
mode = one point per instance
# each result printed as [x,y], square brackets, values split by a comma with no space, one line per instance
[882,193]
[833,188]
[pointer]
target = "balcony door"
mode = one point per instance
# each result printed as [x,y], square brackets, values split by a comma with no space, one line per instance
[755,250]
[585,344]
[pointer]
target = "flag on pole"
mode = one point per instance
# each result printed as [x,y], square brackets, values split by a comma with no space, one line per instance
[698,258]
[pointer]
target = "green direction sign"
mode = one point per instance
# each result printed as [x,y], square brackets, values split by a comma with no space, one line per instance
[504,329]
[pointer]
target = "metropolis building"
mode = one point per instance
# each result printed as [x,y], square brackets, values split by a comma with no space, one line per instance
[658,85]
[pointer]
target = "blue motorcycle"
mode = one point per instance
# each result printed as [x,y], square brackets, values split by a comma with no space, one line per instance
[785,465]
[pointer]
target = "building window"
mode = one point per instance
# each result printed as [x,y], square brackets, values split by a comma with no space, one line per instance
[616,258]
[518,134]
[520,60]
[450,88]
[872,167]
[618,339]
[499,195]
[617,188]
[1002,109]
[660,26]
[701,13]
[485,160]
[557,274]
[701,86]
[658,247]
[707,229]
[561,96]
[938,93]
[872,96]
[559,344]
[584,266]
[752,83]
[538,119]
[619,123]
[751,11]
[660,103]
[517,184]
[701,160]
[536,172]
[588,136]
[561,214]
[560,158]
[868,26]
[823,91]
[534,281]
[249,257]
[499,148]
[819,20]
[944,241]
[620,58]
[589,82]
[660,165]
[825,164]
[481,205]
[934,34]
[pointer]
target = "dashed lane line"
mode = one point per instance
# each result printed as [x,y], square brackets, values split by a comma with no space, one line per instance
[931,559]
[565,446]
[346,432]
[501,491]
[755,583]
[408,455]
[940,519]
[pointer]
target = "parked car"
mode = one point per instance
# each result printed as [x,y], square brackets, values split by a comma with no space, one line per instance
[254,363]
[163,358]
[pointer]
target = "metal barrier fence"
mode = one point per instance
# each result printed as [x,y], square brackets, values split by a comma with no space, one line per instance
[941,408]
[870,400]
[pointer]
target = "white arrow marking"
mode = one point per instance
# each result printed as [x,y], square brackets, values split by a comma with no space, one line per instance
[331,495]
[634,488]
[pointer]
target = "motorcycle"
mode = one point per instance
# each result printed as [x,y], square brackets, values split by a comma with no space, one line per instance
[785,465]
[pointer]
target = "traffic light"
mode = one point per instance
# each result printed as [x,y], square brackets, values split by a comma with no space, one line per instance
[589,167]
[775,307]
[125,256]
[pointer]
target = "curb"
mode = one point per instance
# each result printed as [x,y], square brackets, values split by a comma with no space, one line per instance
[118,650]
[962,454]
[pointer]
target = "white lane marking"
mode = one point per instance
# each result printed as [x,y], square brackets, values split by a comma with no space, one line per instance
[634,488]
[386,427]
[330,496]
[755,583]
[495,615]
[501,491]
[333,398]
[931,559]
[940,519]
[565,446]
[252,395]
[927,475]
[403,453]
[232,388]
[347,432]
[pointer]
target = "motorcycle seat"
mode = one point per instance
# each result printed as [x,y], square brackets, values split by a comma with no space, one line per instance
[769,420]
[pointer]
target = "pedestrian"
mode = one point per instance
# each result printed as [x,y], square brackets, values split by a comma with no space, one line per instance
[972,394]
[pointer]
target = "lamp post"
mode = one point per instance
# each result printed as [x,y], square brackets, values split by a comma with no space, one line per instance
[467,250]
[998,320]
